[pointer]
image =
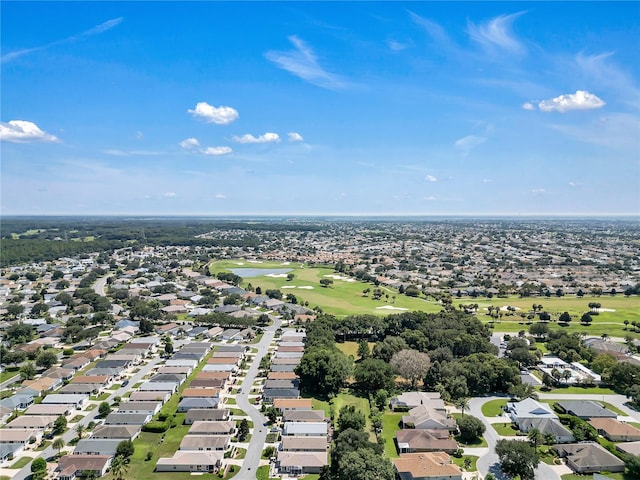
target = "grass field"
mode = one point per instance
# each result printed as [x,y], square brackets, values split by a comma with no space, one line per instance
[351,348]
[611,323]
[493,408]
[341,298]
[505,429]
[346,298]
[390,425]
[460,462]
[23,462]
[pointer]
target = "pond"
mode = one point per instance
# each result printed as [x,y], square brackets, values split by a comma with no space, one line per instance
[259,272]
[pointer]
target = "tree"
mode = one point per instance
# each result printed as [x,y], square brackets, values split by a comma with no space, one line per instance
[411,364]
[470,428]
[633,466]
[350,418]
[27,371]
[586,318]
[80,429]
[381,399]
[364,464]
[363,349]
[146,326]
[14,309]
[39,468]
[325,282]
[119,467]
[323,369]
[517,458]
[59,425]
[523,390]
[46,359]
[535,437]
[565,318]
[462,403]
[539,330]
[384,350]
[125,449]
[58,444]
[104,409]
[168,348]
[243,430]
[373,374]
[272,414]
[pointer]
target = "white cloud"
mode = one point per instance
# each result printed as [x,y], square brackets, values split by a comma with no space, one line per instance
[295,137]
[131,153]
[216,151]
[538,191]
[487,180]
[220,115]
[396,46]
[302,62]
[266,138]
[497,33]
[573,184]
[221,195]
[170,195]
[139,135]
[430,178]
[103,27]
[22,131]
[430,199]
[469,142]
[190,143]
[528,106]
[581,100]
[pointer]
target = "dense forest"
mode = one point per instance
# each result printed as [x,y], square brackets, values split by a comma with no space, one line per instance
[37,239]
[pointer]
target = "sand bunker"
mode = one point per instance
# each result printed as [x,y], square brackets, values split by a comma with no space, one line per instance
[606,310]
[254,261]
[340,277]
[286,263]
[307,287]
[276,275]
[390,307]
[288,286]
[506,308]
[239,263]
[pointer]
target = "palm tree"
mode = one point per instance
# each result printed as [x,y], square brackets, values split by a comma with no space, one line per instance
[462,403]
[535,437]
[549,438]
[119,467]
[58,444]
[566,375]
[80,428]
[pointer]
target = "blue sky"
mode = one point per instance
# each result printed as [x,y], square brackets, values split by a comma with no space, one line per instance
[407,108]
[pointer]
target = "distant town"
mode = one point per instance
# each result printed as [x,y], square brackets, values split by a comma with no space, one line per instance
[314,348]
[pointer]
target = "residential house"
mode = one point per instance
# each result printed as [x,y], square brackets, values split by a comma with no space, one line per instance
[615,431]
[409,441]
[304,444]
[284,404]
[71,467]
[23,436]
[186,404]
[305,429]
[548,426]
[589,458]
[27,422]
[300,463]
[408,400]
[97,446]
[205,442]
[9,451]
[206,415]
[157,396]
[212,428]
[585,409]
[76,400]
[303,416]
[117,418]
[191,461]
[17,402]
[528,409]
[44,409]
[426,466]
[149,407]
[424,417]
[122,432]
[170,387]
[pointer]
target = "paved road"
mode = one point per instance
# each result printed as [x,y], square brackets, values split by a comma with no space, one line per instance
[89,416]
[4,385]
[251,461]
[100,285]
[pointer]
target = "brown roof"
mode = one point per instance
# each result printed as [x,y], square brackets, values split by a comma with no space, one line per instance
[290,349]
[301,403]
[426,440]
[223,361]
[90,379]
[200,392]
[294,443]
[424,465]
[75,463]
[223,375]
[281,376]
[613,427]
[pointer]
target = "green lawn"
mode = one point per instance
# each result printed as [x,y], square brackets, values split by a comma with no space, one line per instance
[505,429]
[9,373]
[460,462]
[390,425]
[611,323]
[23,462]
[493,408]
[582,390]
[263,473]
[351,348]
[614,476]
[361,404]
[341,298]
